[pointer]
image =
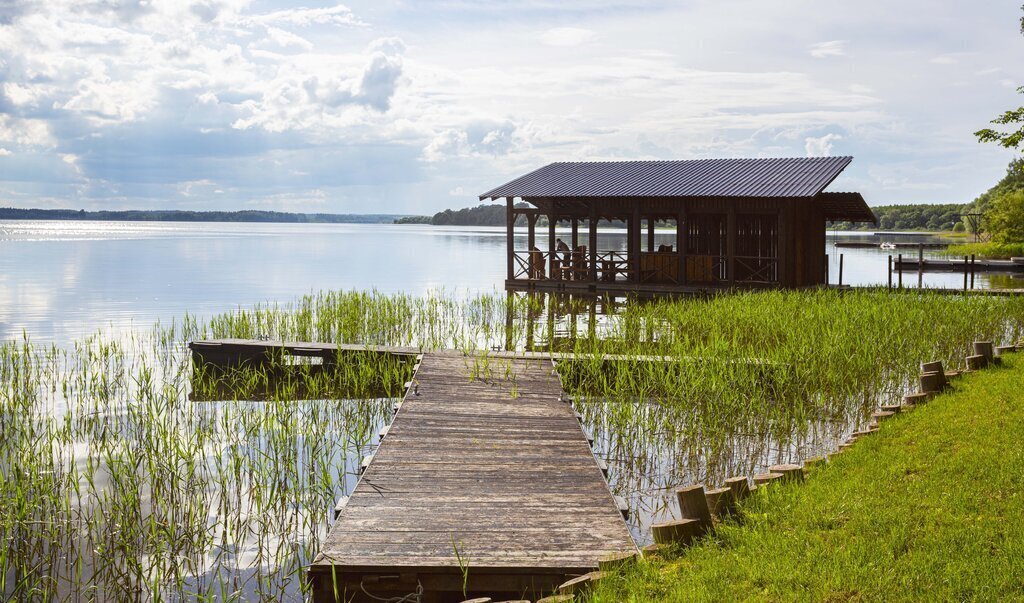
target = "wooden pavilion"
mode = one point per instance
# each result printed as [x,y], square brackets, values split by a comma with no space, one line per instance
[736,222]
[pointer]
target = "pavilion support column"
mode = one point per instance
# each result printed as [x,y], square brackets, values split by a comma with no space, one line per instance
[731,242]
[593,242]
[650,233]
[510,237]
[552,221]
[575,233]
[681,243]
[531,231]
[634,239]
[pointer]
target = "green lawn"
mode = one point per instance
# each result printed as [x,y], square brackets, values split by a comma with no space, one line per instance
[930,508]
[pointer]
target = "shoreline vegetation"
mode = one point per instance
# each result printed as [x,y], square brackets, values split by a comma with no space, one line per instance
[175,215]
[929,508]
[117,481]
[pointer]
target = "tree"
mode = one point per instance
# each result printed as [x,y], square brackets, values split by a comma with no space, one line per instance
[1013,139]
[1006,218]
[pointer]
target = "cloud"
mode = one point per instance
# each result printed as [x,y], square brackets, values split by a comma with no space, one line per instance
[338,15]
[566,36]
[833,48]
[5,153]
[821,146]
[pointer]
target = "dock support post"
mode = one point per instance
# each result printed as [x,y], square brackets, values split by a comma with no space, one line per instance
[965,273]
[593,242]
[890,272]
[973,268]
[681,245]
[650,233]
[840,269]
[510,237]
[920,265]
[552,257]
[899,268]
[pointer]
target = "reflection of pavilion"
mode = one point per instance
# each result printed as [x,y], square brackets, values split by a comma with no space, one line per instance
[738,223]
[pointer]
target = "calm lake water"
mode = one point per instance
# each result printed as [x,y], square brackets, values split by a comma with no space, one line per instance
[60,280]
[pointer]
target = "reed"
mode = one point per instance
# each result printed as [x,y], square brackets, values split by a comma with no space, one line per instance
[129,474]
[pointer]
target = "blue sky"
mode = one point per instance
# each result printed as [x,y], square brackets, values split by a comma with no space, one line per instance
[410,107]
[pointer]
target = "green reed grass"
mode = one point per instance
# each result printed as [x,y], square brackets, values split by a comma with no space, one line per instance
[122,482]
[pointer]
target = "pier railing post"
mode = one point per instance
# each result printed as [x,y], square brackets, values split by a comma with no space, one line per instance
[965,273]
[841,269]
[890,272]
[920,265]
[899,268]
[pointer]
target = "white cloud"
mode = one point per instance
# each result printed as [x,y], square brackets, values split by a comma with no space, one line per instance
[832,48]
[821,146]
[5,153]
[566,36]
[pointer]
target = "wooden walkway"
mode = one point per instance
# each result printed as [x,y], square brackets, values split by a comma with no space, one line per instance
[483,476]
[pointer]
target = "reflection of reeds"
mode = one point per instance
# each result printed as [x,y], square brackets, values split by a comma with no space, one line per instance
[117,486]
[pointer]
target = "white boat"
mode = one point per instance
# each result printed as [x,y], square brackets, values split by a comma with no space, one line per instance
[888,245]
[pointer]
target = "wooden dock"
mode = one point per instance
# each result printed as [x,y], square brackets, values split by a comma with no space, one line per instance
[485,485]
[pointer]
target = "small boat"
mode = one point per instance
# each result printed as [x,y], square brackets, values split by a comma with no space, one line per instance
[888,246]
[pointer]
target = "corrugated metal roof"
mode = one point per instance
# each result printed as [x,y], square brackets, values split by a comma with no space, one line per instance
[846,206]
[786,177]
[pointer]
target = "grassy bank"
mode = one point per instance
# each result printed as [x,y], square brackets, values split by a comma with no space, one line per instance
[997,251]
[931,507]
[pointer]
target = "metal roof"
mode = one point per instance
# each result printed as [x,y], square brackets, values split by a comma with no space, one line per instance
[786,177]
[846,206]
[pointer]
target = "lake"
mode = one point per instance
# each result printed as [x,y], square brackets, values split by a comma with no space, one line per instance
[60,280]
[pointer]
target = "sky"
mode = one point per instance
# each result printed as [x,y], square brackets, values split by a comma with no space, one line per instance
[400,106]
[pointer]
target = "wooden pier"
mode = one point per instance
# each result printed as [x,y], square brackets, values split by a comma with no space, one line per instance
[485,485]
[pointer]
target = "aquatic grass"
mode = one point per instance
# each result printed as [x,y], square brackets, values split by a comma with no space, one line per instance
[130,474]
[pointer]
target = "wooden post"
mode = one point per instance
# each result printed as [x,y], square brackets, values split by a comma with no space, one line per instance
[720,502]
[683,531]
[965,273]
[899,268]
[789,472]
[841,269]
[983,348]
[976,362]
[510,237]
[972,271]
[575,233]
[739,486]
[890,271]
[932,383]
[730,234]
[920,265]
[531,231]
[593,242]
[693,504]
[552,256]
[634,237]
[650,233]
[826,270]
[681,244]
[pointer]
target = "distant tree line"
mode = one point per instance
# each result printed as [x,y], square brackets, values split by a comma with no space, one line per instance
[11,213]
[488,214]
[922,216]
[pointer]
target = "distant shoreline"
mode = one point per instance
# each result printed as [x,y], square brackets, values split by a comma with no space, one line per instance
[172,215]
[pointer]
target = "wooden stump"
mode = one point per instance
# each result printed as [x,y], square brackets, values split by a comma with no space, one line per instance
[555,599]
[653,550]
[983,348]
[861,434]
[616,560]
[1005,349]
[683,531]
[893,408]
[789,472]
[932,367]
[882,415]
[763,479]
[914,399]
[720,502]
[976,362]
[932,383]
[950,375]
[581,584]
[693,504]
[739,486]
[815,462]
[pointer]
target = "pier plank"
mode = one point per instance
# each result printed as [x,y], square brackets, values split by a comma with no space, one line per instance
[495,469]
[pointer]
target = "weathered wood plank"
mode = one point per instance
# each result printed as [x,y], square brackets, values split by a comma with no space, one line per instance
[498,470]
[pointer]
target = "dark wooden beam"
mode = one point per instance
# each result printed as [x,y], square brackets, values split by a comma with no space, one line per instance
[510,237]
[593,243]
[681,242]
[650,233]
